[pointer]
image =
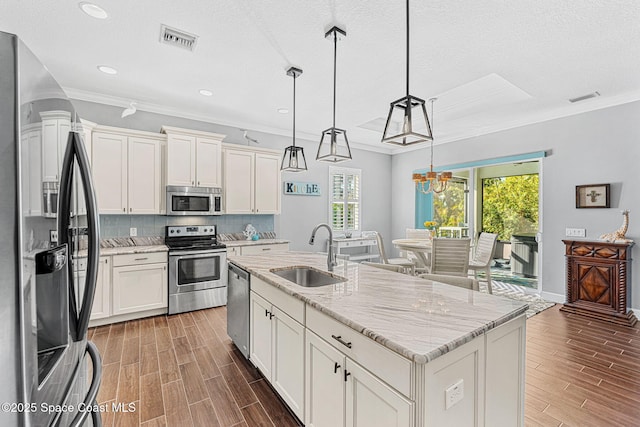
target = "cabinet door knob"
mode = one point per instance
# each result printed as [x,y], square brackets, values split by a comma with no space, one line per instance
[266,312]
[124,209]
[346,374]
[335,367]
[271,315]
[192,182]
[130,209]
[198,182]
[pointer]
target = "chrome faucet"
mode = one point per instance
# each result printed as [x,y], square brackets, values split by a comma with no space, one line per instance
[331,259]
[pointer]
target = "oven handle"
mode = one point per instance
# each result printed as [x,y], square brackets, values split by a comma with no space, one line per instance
[196,254]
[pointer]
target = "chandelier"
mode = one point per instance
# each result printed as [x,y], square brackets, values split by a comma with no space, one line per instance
[432,182]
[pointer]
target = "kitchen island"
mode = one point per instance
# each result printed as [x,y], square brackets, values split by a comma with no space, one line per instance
[382,348]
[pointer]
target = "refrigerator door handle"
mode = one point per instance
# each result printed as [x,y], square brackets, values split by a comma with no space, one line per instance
[93,226]
[64,220]
[90,399]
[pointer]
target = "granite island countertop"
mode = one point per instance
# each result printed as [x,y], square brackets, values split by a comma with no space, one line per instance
[416,318]
[236,243]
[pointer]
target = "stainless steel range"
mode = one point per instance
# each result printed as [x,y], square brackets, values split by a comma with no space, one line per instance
[197,268]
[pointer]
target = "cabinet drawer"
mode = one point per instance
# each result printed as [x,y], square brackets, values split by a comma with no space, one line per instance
[260,249]
[390,367]
[136,259]
[285,302]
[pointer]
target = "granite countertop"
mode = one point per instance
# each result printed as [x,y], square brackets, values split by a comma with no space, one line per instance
[236,243]
[125,250]
[416,318]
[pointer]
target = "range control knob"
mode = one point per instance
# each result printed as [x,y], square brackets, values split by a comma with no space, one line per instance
[171,231]
[177,231]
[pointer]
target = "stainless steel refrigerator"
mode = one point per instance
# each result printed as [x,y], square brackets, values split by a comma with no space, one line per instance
[48,222]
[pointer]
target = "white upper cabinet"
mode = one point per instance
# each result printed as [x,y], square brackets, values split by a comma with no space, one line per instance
[55,131]
[193,157]
[127,171]
[251,180]
[32,170]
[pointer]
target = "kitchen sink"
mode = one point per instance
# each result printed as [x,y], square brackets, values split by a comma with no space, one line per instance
[307,276]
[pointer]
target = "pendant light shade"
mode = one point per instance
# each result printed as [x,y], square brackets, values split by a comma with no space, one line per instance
[407,122]
[334,145]
[293,159]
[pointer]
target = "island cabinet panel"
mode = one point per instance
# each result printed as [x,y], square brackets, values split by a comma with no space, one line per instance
[325,385]
[260,333]
[464,368]
[277,348]
[505,370]
[370,402]
[598,277]
[287,375]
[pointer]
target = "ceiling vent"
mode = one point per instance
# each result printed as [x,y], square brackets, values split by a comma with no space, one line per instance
[583,97]
[178,38]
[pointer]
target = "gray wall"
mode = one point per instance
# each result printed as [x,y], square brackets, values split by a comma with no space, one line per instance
[601,146]
[299,213]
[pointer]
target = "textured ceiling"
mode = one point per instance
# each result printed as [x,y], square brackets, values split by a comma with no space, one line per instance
[493,64]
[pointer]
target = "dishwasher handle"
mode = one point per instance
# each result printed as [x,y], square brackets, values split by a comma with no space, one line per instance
[240,273]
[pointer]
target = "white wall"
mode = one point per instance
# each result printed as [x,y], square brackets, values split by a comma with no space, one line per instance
[597,147]
[299,213]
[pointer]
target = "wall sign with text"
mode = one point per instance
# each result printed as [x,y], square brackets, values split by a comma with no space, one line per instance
[301,188]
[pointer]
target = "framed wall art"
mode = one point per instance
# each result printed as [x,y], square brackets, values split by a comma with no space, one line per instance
[593,196]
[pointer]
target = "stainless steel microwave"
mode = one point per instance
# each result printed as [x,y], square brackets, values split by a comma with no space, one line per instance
[194,200]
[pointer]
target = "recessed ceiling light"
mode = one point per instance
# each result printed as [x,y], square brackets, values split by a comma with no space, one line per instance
[283,110]
[205,92]
[107,70]
[93,10]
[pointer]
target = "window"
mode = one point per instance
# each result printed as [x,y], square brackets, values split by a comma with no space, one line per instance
[344,211]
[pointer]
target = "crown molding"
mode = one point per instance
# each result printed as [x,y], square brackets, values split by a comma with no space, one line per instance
[120,102]
[557,113]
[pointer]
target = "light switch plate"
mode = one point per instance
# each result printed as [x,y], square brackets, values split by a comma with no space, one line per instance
[133,232]
[454,394]
[575,232]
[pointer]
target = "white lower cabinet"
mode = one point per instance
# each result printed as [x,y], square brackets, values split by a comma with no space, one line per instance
[102,297]
[138,287]
[342,393]
[263,249]
[277,349]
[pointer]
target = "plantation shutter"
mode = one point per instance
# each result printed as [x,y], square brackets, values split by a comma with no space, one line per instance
[345,198]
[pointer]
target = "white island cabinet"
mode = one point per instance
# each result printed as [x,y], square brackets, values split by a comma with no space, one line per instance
[385,349]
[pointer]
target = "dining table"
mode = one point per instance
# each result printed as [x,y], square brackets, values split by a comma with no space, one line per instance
[421,248]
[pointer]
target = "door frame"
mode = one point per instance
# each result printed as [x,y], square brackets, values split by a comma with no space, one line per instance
[424,206]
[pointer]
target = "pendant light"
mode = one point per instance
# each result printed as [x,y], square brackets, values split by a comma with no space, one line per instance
[334,145]
[437,182]
[407,122]
[293,159]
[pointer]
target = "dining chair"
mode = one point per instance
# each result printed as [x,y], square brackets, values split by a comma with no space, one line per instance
[482,256]
[388,267]
[461,282]
[450,256]
[405,263]
[416,233]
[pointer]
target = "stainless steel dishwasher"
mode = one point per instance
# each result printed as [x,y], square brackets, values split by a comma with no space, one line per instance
[238,308]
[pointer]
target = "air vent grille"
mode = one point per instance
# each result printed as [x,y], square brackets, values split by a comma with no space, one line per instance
[178,38]
[583,97]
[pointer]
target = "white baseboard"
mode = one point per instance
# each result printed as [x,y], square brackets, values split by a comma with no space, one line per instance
[550,296]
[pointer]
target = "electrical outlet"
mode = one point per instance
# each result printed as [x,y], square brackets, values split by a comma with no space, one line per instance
[133,232]
[53,237]
[575,232]
[454,394]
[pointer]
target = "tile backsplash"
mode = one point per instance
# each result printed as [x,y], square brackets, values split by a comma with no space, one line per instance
[154,225]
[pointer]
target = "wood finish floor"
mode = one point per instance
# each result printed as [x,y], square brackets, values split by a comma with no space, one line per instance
[183,370]
[581,372]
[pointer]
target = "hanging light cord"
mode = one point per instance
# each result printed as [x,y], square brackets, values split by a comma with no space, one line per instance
[335,51]
[294,109]
[407,48]
[432,100]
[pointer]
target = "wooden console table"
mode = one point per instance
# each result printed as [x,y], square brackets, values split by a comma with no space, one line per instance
[598,276]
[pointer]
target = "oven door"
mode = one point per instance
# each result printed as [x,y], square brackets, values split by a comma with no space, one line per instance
[196,270]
